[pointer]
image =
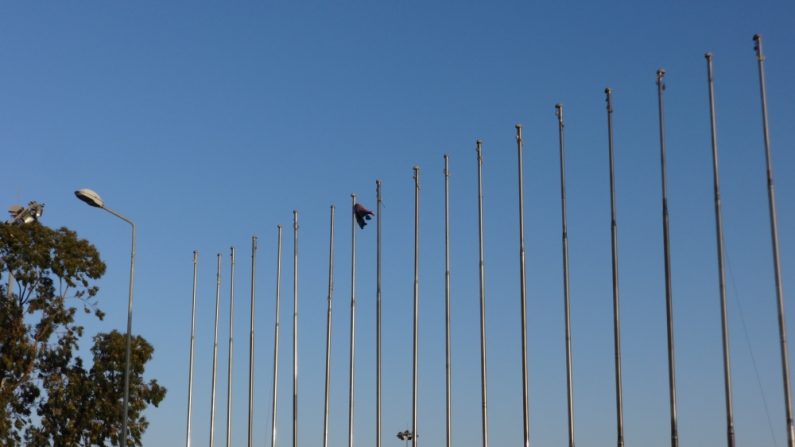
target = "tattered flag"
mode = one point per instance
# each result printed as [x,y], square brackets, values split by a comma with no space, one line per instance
[362,214]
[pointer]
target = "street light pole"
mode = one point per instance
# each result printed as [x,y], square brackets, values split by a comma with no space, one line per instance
[92,198]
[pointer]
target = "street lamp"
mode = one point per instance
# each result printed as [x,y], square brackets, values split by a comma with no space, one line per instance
[92,198]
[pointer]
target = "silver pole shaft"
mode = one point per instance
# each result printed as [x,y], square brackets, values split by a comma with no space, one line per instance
[523,290]
[727,379]
[447,337]
[215,349]
[125,421]
[482,275]
[566,299]
[295,328]
[231,347]
[326,400]
[667,253]
[614,251]
[415,347]
[378,315]
[251,344]
[275,391]
[771,195]
[192,345]
[352,365]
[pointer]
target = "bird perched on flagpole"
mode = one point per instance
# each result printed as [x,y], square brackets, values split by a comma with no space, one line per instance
[362,214]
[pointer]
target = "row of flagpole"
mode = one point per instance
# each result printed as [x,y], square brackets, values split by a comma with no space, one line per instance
[413,435]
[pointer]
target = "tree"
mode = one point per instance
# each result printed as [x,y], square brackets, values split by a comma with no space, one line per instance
[53,276]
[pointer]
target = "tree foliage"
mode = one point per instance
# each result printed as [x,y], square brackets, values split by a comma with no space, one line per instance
[47,395]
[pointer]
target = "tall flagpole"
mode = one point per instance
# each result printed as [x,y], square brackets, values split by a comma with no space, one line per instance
[378,314]
[727,378]
[251,344]
[192,344]
[483,378]
[328,327]
[614,250]
[215,349]
[523,290]
[414,381]
[566,300]
[231,345]
[352,366]
[447,338]
[295,328]
[771,195]
[667,254]
[276,334]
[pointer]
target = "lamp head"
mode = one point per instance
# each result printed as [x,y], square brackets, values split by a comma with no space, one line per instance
[90,197]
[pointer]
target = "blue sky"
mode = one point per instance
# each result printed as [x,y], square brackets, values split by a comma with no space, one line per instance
[208,122]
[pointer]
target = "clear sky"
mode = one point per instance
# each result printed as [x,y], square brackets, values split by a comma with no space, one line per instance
[208,122]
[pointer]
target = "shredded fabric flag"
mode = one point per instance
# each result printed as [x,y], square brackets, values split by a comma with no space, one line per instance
[362,214]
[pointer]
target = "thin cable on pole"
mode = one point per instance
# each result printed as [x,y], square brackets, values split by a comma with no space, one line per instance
[771,195]
[614,251]
[566,299]
[751,352]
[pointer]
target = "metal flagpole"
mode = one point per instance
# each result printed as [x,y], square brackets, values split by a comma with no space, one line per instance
[414,381]
[251,345]
[328,327]
[295,328]
[614,250]
[771,195]
[727,379]
[192,344]
[352,365]
[523,290]
[667,253]
[378,315]
[215,349]
[231,346]
[566,300]
[447,338]
[276,334]
[483,379]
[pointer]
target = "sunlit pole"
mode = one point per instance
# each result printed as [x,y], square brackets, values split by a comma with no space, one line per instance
[566,298]
[771,195]
[251,344]
[192,344]
[614,252]
[484,415]
[276,334]
[523,290]
[667,258]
